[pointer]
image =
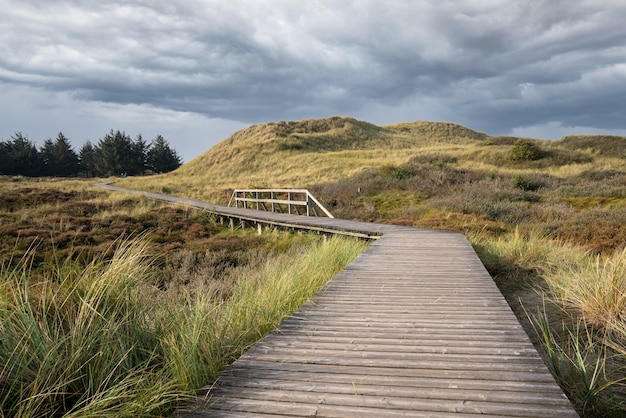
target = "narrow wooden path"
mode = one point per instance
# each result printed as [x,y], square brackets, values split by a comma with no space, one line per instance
[413,327]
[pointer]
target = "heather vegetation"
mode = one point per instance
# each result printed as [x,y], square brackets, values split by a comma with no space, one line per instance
[114,305]
[548,218]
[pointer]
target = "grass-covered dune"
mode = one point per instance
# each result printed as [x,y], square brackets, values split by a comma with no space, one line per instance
[285,154]
[548,218]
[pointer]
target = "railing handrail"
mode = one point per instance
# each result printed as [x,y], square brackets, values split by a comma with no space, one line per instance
[239,195]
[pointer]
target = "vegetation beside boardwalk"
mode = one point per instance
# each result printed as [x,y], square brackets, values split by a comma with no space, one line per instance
[134,326]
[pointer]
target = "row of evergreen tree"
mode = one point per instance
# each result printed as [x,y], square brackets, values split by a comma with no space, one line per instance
[115,154]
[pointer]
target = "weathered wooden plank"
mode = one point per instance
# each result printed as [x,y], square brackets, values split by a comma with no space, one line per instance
[448,348]
[432,362]
[293,409]
[214,413]
[415,378]
[327,404]
[439,308]
[376,321]
[493,394]
[255,367]
[422,336]
[339,339]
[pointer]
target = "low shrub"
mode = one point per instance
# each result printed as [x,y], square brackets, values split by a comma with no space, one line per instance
[397,173]
[502,204]
[605,176]
[524,150]
[526,184]
[599,230]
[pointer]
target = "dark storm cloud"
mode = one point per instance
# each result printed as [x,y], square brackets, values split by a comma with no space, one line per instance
[491,64]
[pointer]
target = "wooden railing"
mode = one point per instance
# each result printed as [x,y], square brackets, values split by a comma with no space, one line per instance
[291,201]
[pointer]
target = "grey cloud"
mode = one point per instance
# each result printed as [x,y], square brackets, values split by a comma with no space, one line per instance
[497,64]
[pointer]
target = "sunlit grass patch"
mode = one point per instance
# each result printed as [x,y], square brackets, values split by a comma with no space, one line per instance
[577,312]
[103,339]
[80,336]
[595,287]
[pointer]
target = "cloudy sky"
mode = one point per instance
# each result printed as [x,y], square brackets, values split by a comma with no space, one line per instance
[195,71]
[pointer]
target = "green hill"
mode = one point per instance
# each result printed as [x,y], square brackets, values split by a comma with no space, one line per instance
[296,154]
[422,173]
[315,151]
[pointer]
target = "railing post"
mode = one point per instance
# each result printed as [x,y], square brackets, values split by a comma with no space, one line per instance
[308,205]
[289,200]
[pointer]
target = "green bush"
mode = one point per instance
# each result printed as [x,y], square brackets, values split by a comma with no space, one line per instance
[525,151]
[525,184]
[398,173]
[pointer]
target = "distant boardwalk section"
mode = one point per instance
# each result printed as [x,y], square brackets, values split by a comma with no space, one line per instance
[413,327]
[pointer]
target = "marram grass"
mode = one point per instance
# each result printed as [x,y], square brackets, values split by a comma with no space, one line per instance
[582,322]
[596,288]
[585,362]
[78,336]
[591,286]
[101,341]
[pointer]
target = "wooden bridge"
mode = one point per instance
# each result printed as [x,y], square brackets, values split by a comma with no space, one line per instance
[413,327]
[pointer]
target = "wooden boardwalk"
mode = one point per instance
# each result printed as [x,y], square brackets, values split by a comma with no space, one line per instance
[413,327]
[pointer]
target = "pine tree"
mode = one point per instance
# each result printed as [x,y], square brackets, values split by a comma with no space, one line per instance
[161,157]
[138,158]
[114,155]
[66,159]
[87,160]
[58,157]
[22,157]
[47,157]
[6,163]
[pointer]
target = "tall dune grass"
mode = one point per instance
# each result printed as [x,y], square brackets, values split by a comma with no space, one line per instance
[81,337]
[100,340]
[593,287]
[581,320]
[588,364]
[596,288]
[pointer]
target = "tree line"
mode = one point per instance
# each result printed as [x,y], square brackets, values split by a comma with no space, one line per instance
[113,155]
